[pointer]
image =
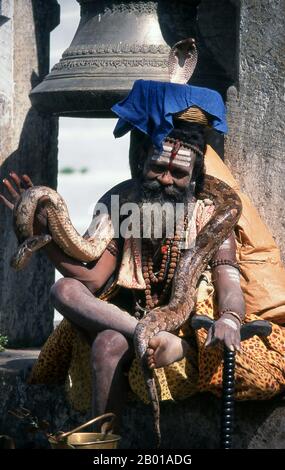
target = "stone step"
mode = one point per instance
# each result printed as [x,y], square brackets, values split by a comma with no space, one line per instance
[189,424]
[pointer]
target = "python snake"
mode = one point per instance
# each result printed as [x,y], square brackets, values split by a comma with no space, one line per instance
[190,267]
[60,227]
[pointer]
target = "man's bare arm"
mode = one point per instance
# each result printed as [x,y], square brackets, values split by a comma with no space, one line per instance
[226,279]
[92,275]
[231,304]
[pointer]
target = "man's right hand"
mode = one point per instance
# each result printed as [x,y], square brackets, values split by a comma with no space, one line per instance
[22,184]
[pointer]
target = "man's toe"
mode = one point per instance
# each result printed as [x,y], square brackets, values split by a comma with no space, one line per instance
[154,342]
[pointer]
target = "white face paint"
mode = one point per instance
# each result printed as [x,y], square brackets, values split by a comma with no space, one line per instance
[183,158]
[232,273]
[226,244]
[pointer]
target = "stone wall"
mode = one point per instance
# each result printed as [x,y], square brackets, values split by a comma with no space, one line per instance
[190,424]
[254,148]
[28,144]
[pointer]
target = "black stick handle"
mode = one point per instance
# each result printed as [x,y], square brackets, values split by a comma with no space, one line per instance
[228,400]
[257,327]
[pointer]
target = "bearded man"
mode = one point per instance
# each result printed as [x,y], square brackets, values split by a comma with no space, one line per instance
[103,301]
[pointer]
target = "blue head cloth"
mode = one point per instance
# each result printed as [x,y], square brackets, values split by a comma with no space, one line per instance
[150,106]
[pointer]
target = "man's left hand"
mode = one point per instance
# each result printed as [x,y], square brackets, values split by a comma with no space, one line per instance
[226,331]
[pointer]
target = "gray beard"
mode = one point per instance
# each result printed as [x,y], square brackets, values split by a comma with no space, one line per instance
[152,192]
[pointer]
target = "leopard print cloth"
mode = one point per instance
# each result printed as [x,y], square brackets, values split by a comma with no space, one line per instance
[260,366]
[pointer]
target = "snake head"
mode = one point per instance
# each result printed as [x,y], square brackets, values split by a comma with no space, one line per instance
[37,242]
[185,46]
[149,326]
[24,252]
[182,61]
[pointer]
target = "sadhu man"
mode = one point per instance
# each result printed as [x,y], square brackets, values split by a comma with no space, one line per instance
[102,302]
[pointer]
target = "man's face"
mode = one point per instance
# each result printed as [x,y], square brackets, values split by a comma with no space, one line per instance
[167,179]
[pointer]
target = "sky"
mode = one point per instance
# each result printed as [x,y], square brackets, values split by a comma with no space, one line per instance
[85,143]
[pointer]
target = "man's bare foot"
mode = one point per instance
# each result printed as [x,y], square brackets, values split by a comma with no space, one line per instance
[164,349]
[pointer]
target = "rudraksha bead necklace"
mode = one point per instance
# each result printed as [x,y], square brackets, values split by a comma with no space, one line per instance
[170,250]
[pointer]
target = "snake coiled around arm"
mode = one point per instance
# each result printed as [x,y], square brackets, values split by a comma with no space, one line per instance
[60,227]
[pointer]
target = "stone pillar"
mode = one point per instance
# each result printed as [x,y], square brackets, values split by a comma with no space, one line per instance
[217,33]
[28,144]
[254,148]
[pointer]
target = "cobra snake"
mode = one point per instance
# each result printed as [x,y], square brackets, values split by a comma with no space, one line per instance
[182,61]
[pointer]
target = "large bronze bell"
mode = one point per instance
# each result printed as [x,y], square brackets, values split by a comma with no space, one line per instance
[119,41]
[116,43]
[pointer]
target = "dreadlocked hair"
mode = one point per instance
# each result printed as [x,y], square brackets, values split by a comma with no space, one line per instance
[139,146]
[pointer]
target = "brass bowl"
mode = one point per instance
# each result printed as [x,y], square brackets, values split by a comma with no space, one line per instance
[87,440]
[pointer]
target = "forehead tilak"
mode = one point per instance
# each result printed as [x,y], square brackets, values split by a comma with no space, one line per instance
[183,157]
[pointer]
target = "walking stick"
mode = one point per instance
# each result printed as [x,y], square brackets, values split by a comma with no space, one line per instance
[259,328]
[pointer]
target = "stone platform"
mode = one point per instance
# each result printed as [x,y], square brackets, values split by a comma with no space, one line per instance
[191,424]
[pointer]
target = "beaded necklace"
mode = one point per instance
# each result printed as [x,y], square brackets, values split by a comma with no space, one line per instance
[170,250]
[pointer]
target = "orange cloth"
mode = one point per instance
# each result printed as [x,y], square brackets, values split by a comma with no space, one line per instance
[262,272]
